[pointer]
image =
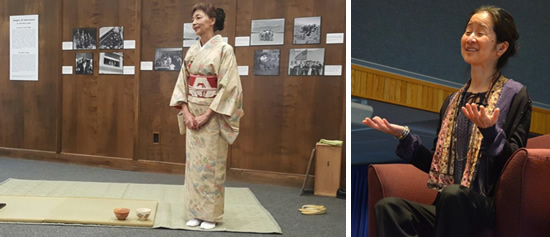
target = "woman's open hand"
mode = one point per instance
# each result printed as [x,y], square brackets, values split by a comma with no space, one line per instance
[384,126]
[480,116]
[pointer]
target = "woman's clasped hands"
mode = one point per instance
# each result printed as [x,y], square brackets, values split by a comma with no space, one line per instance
[193,122]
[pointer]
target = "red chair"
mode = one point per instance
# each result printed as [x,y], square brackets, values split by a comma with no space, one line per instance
[522,197]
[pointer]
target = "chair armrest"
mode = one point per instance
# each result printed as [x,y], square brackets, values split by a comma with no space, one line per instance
[523,194]
[542,141]
[396,180]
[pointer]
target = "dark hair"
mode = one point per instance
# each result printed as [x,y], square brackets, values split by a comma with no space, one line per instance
[505,29]
[212,12]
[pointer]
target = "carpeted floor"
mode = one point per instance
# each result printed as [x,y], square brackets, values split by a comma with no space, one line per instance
[282,202]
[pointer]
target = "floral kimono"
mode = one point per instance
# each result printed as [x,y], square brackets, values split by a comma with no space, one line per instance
[209,79]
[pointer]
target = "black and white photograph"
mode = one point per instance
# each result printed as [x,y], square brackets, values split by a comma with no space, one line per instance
[111,37]
[266,62]
[168,59]
[111,63]
[306,62]
[189,35]
[267,32]
[84,38]
[307,30]
[84,63]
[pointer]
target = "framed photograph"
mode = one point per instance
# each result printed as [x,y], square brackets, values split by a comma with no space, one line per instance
[168,59]
[84,63]
[268,32]
[266,62]
[307,30]
[111,37]
[189,35]
[306,62]
[111,63]
[84,38]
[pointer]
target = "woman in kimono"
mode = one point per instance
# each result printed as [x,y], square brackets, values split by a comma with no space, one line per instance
[209,94]
[480,127]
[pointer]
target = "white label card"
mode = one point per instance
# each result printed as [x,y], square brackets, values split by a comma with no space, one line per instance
[333,70]
[243,70]
[129,70]
[335,38]
[242,41]
[67,69]
[146,65]
[67,45]
[129,44]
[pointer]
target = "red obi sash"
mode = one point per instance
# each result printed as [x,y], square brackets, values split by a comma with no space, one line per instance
[203,86]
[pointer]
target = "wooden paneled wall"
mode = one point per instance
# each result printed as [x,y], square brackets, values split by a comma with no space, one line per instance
[98,110]
[29,109]
[387,87]
[286,115]
[109,120]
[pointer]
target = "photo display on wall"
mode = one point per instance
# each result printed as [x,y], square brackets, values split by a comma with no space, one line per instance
[168,59]
[306,62]
[307,30]
[266,62]
[268,32]
[189,35]
[111,63]
[111,37]
[84,63]
[84,38]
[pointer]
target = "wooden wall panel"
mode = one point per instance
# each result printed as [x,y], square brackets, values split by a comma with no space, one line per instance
[366,83]
[286,115]
[29,108]
[98,110]
[540,121]
[162,27]
[396,89]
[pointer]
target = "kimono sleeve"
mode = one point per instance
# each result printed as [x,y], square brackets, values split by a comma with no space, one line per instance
[179,96]
[229,99]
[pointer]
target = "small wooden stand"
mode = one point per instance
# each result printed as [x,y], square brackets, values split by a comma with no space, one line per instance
[328,164]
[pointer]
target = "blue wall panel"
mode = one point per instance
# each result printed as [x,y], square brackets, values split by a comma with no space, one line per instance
[424,37]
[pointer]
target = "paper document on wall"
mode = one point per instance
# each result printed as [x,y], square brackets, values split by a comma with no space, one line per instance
[24,48]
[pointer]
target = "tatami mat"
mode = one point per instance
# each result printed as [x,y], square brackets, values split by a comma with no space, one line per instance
[243,212]
[73,210]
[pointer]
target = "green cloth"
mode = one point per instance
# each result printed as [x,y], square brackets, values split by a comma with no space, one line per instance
[331,142]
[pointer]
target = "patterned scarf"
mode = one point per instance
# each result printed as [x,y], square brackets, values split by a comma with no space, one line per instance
[442,168]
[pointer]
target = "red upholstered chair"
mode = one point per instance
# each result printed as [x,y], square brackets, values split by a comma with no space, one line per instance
[522,197]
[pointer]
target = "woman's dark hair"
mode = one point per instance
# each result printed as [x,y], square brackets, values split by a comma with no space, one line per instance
[505,29]
[212,12]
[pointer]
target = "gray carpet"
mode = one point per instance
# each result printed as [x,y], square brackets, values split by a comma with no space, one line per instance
[282,202]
